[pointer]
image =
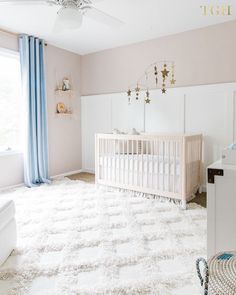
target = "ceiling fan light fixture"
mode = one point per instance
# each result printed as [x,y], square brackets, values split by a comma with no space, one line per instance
[70,17]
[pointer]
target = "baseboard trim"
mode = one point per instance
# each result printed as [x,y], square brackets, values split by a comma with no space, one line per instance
[3,188]
[9,187]
[92,171]
[67,173]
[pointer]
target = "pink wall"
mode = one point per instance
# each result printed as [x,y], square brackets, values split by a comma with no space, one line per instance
[64,133]
[203,56]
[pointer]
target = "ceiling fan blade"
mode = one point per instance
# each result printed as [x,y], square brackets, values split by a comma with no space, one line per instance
[23,2]
[103,18]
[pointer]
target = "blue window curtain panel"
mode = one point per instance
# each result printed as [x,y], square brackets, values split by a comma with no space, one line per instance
[34,93]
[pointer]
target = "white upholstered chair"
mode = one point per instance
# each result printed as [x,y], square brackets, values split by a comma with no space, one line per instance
[7,229]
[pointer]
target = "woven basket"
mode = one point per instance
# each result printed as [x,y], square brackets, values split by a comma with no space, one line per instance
[219,274]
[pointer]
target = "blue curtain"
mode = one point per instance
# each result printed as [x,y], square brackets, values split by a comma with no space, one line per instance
[34,92]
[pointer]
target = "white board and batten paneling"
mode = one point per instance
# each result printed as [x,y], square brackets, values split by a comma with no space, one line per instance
[206,109]
[102,114]
[96,117]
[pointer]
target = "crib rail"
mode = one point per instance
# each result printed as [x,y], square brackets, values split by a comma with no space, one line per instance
[165,165]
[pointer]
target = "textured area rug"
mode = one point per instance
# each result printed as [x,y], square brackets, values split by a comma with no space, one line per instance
[75,238]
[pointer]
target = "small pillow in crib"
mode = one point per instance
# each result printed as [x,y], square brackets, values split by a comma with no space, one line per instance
[134,132]
[116,131]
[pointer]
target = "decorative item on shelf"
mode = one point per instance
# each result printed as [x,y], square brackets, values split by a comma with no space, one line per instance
[167,68]
[61,109]
[64,87]
[66,84]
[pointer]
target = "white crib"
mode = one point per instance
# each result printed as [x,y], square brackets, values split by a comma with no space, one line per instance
[163,165]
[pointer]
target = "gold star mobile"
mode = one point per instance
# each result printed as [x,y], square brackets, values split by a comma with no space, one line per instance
[160,74]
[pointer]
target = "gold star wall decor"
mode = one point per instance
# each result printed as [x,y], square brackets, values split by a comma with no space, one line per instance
[167,77]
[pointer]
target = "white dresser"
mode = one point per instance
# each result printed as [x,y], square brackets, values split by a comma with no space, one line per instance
[221,208]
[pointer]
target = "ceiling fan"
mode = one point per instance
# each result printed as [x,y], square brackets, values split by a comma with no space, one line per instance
[71,12]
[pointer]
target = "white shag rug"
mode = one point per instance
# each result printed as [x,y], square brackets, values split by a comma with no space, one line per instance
[77,239]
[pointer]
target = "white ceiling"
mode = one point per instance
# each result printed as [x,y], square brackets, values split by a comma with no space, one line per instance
[144,20]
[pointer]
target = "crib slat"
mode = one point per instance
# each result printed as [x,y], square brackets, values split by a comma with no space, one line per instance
[132,172]
[152,169]
[163,166]
[158,163]
[169,167]
[147,155]
[174,165]
[128,160]
[123,161]
[137,148]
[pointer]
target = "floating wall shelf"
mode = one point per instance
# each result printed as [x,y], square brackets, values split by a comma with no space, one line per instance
[64,92]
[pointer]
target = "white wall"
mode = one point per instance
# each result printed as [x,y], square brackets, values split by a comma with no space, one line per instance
[209,110]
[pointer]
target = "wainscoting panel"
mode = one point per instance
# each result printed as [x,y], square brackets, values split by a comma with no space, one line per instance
[207,109]
[127,116]
[96,117]
[210,111]
[165,113]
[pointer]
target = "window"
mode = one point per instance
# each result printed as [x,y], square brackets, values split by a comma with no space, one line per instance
[10,102]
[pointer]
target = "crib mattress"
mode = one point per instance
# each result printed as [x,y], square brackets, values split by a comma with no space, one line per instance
[156,172]
[142,163]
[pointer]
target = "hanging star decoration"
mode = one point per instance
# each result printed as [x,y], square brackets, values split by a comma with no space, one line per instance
[129,92]
[172,81]
[164,76]
[156,74]
[137,89]
[147,99]
[165,73]
[163,90]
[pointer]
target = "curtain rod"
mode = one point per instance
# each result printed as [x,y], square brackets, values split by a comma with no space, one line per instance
[14,34]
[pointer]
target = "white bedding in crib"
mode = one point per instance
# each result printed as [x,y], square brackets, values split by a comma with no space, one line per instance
[151,171]
[142,163]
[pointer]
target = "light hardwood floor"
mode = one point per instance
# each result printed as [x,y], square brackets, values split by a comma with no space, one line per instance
[88,177]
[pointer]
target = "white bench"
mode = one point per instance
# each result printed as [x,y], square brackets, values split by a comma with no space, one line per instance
[7,229]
